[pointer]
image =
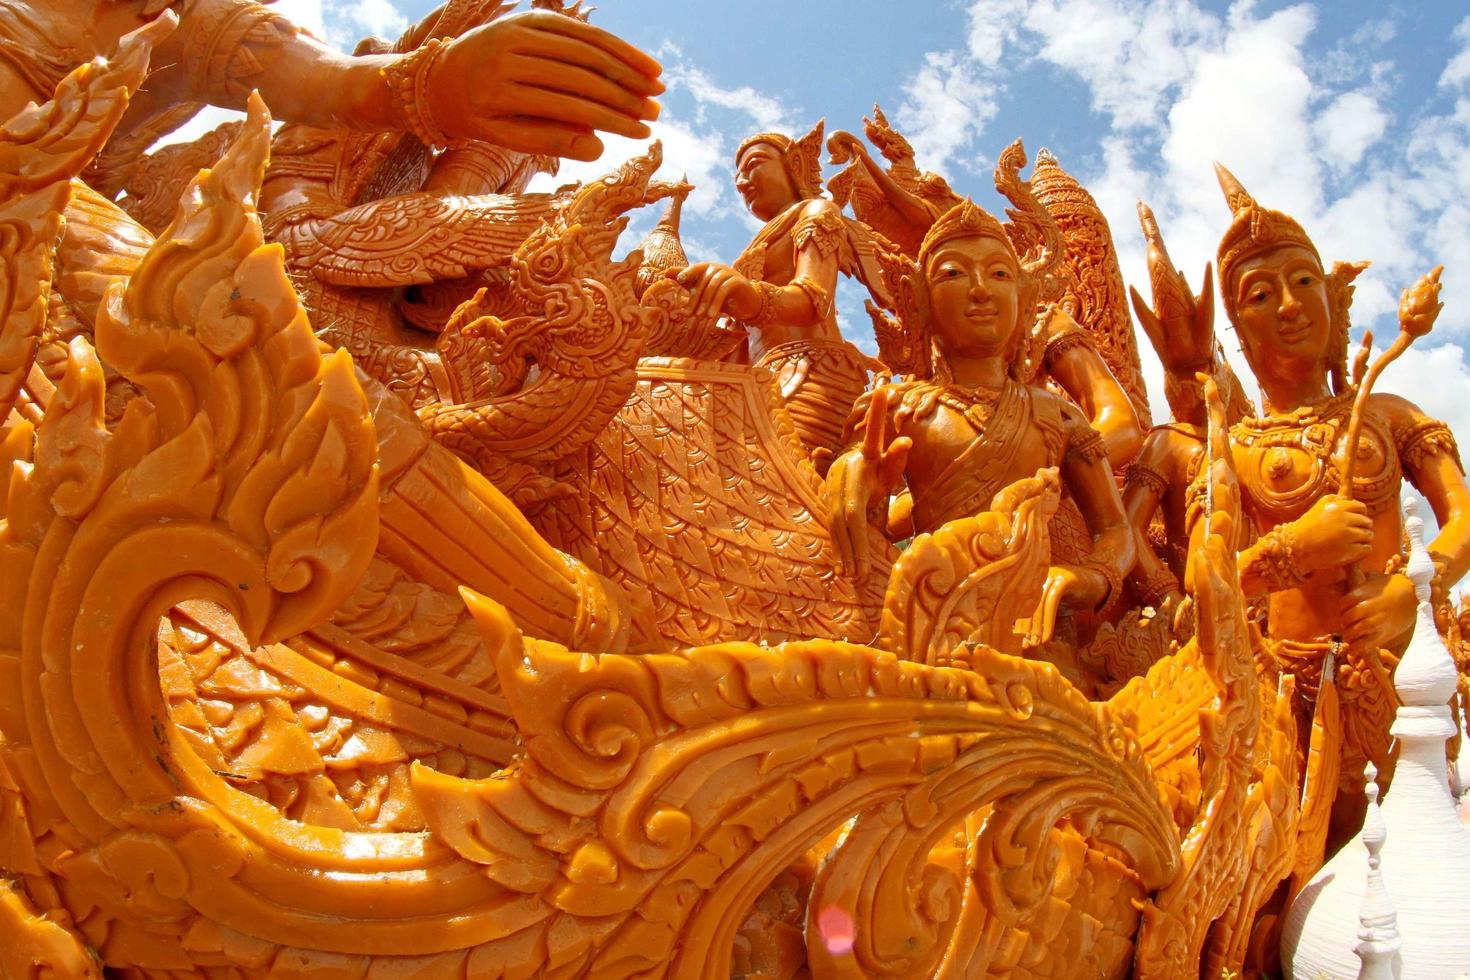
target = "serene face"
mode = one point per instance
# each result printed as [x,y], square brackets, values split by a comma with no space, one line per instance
[761,179]
[1281,306]
[974,297]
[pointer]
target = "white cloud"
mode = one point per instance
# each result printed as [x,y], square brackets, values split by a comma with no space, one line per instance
[1350,124]
[1457,72]
[946,106]
[768,113]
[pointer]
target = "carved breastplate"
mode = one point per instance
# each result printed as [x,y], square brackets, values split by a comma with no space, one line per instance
[1287,462]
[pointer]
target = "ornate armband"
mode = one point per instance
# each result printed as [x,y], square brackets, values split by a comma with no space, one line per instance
[1085,444]
[408,84]
[823,229]
[820,300]
[1141,474]
[217,39]
[1419,440]
[1273,561]
[1065,341]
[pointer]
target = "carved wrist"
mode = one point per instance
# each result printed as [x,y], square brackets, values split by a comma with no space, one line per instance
[1113,587]
[408,88]
[1157,587]
[1272,560]
[767,293]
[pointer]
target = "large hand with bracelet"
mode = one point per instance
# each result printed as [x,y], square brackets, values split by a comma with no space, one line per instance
[538,82]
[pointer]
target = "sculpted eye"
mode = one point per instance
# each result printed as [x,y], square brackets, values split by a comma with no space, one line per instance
[1000,272]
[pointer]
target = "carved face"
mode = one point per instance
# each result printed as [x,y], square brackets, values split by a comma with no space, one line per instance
[1281,306]
[974,291]
[762,180]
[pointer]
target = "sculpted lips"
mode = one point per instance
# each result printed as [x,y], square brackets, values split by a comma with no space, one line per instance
[1296,330]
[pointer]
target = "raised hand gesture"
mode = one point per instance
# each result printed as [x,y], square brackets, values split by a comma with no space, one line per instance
[859,484]
[1180,327]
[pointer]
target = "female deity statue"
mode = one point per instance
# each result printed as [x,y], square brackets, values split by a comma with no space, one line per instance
[783,286]
[1327,556]
[967,425]
[902,203]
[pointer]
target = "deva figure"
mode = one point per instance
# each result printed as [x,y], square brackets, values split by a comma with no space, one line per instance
[1327,556]
[783,286]
[967,424]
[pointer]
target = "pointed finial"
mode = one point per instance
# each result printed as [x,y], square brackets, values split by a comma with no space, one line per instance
[1045,157]
[1236,196]
[1420,568]
[1425,677]
[1378,934]
[674,210]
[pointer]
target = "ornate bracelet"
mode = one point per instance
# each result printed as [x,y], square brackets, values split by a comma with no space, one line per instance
[767,292]
[1273,560]
[408,83]
[1159,586]
[1111,576]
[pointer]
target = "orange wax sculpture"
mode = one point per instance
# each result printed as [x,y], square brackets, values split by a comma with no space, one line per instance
[393,584]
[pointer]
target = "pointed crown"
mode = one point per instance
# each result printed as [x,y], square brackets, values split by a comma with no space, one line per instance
[1254,229]
[802,157]
[964,220]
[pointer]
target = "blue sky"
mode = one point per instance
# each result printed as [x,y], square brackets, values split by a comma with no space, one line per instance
[1353,116]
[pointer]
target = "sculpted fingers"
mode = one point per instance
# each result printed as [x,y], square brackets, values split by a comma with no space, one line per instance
[1152,328]
[621,60]
[585,83]
[529,134]
[874,424]
[1044,621]
[545,103]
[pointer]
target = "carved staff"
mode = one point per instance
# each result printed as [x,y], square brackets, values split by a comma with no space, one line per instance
[1418,307]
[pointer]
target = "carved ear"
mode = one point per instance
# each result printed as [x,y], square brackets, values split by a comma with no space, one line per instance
[805,157]
[1340,300]
[913,316]
[1340,286]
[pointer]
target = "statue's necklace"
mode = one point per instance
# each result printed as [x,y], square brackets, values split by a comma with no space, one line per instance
[976,404]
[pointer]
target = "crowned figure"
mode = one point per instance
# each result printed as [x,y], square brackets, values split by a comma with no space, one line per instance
[782,287]
[1321,491]
[967,423]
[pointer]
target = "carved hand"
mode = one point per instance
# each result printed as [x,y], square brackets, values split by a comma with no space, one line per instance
[1180,327]
[541,82]
[1336,531]
[1380,612]
[858,485]
[1072,585]
[719,290]
[1419,305]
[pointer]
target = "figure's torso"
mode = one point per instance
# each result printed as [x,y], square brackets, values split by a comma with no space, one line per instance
[969,447]
[1286,464]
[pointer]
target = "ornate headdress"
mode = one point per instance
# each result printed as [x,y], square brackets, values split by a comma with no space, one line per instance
[1252,230]
[1255,229]
[905,343]
[803,157]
